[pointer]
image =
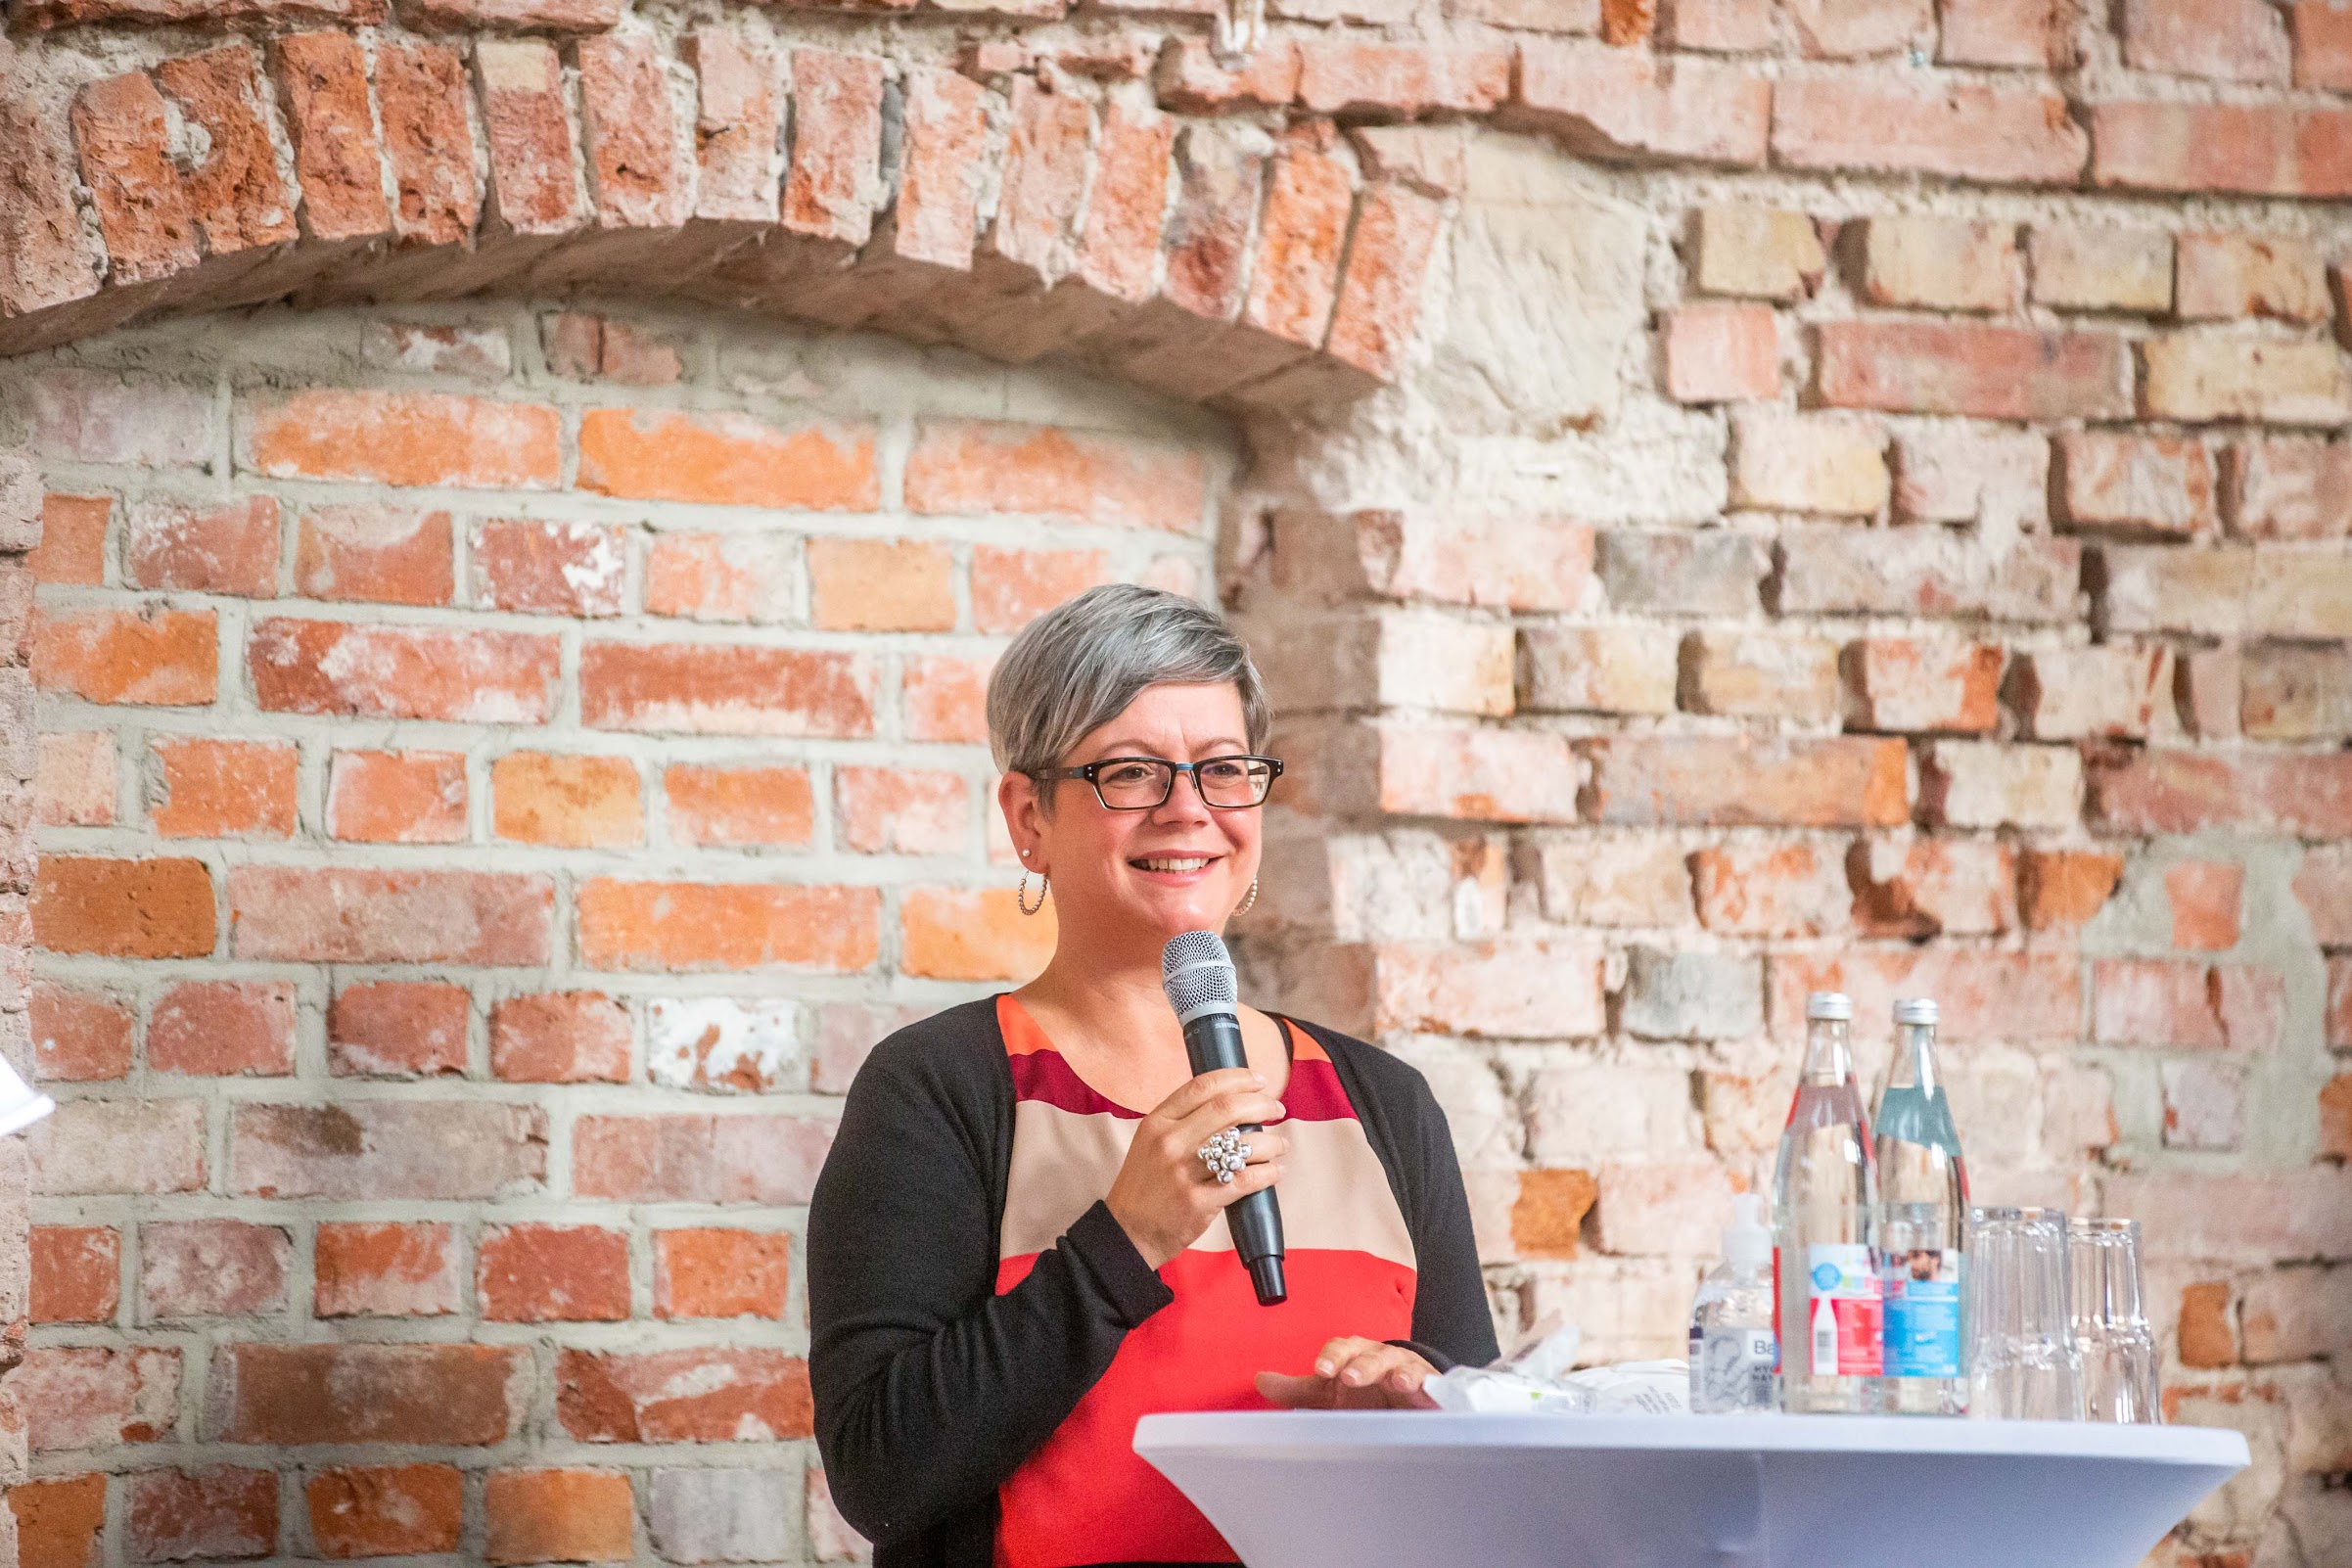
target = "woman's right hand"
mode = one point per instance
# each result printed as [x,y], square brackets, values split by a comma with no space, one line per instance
[1164,1196]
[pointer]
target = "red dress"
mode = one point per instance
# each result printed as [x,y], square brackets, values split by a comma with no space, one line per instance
[1085,1497]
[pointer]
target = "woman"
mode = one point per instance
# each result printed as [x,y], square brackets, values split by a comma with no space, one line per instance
[1009,1261]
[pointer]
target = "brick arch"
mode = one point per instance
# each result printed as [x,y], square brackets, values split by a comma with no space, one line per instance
[1001,211]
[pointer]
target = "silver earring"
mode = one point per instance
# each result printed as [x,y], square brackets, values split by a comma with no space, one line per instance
[1020,894]
[1252,899]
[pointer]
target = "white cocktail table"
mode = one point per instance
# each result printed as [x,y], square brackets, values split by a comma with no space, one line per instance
[1400,1488]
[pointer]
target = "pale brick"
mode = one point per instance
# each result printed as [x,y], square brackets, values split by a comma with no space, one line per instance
[1952,473]
[1692,996]
[2288,488]
[2112,691]
[1607,669]
[2221,276]
[2211,374]
[1547,989]
[1981,784]
[2150,485]
[1809,464]
[1757,252]
[2226,41]
[2079,267]
[1586,881]
[1711,572]
[2294,693]
[2204,1104]
[1931,887]
[1939,263]
[1676,1209]
[1760,675]
[2028,34]
[1721,353]
[1771,888]
[1913,686]
[1577,1110]
[722,1515]
[2163,588]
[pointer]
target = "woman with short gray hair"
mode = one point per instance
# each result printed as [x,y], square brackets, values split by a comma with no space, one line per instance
[1018,1244]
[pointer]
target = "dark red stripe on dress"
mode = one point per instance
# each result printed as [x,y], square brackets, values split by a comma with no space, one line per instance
[1044,1076]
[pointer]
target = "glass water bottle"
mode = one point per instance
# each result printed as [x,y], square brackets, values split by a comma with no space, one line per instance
[1923,1220]
[1825,1203]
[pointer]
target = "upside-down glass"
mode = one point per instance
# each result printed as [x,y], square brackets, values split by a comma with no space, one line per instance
[2110,1328]
[2023,1364]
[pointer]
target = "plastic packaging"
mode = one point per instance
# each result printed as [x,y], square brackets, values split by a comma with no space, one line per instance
[1733,1347]
[1536,1380]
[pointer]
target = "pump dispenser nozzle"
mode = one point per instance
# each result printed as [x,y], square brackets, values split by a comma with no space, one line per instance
[1747,1243]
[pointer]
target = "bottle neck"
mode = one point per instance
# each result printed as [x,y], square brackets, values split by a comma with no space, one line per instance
[1828,1055]
[1913,1064]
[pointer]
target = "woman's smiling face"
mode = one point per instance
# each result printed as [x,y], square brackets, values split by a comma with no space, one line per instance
[1145,874]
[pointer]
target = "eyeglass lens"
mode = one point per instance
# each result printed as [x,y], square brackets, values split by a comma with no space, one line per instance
[1136,782]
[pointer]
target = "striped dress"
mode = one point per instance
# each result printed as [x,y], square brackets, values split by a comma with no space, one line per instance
[1085,1497]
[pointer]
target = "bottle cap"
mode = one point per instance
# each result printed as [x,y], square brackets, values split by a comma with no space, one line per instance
[1915,1010]
[1829,1004]
[1746,1243]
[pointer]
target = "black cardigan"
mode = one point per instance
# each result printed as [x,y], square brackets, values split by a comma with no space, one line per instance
[931,1389]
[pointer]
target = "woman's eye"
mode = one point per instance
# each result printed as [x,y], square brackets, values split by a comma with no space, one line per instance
[1224,772]
[1127,773]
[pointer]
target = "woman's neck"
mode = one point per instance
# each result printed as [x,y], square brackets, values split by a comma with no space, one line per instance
[1107,997]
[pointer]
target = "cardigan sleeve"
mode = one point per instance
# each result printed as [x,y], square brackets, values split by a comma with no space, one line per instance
[930,1388]
[1449,1310]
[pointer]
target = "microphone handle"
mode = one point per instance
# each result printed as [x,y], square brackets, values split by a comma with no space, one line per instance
[1213,1041]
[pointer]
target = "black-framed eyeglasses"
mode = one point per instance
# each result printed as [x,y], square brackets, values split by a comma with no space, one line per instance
[1144,783]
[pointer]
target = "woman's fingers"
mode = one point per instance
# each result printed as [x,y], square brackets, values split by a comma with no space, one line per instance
[1242,1108]
[1195,1093]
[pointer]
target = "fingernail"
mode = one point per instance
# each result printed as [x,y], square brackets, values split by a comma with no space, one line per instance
[1257,1080]
[1322,1368]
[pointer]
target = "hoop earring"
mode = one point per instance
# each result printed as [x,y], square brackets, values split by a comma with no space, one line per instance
[1021,894]
[1252,899]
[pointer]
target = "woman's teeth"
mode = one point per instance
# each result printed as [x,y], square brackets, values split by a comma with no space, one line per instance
[1189,862]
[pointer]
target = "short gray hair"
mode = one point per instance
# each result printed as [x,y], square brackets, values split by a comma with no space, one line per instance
[1077,666]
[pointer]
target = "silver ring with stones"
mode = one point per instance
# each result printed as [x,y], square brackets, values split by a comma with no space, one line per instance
[1224,1155]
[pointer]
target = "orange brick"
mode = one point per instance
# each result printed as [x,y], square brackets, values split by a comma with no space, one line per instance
[717,1272]
[972,933]
[158,657]
[1547,1217]
[713,689]
[398,796]
[78,1036]
[387,554]
[72,547]
[2204,895]
[945,698]
[376,1269]
[724,577]
[209,789]
[76,1273]
[2066,887]
[537,1273]
[576,802]
[889,810]
[559,1516]
[230,548]
[2335,1116]
[694,1394]
[414,439]
[1721,353]
[694,926]
[1842,782]
[73,780]
[1087,477]
[435,1394]
[391,1510]
[881,585]
[2208,1337]
[373,672]
[397,1029]
[739,804]
[728,460]
[1010,588]
[156,909]
[223,1027]
[571,1036]
[60,1520]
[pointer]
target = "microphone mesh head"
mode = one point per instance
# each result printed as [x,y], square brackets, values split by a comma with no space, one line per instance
[1197,973]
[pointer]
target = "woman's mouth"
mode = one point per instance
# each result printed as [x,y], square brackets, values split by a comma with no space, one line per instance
[1173,865]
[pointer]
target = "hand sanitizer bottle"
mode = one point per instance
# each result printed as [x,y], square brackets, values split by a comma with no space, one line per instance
[1733,1348]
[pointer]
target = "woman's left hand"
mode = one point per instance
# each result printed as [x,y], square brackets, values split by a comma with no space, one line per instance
[1354,1375]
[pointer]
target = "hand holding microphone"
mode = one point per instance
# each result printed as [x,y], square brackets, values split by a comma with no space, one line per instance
[1164,1196]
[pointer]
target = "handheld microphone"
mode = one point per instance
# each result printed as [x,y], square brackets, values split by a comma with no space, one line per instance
[1197,973]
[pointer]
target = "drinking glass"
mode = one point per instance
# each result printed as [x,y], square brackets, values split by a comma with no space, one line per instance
[2119,1351]
[2023,1364]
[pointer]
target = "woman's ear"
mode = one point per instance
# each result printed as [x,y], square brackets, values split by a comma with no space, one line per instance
[1023,817]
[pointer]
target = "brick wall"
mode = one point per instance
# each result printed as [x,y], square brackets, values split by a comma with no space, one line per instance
[1733,496]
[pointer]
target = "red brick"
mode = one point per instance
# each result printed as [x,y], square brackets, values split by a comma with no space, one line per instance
[2031,34]
[724,577]
[571,1037]
[1933,887]
[428,140]
[971,933]
[155,657]
[1989,372]
[76,1273]
[387,1149]
[738,124]
[2144,485]
[2243,149]
[1724,27]
[172,1515]
[715,1273]
[2322,45]
[558,799]
[1047,137]
[945,698]
[1010,588]
[1630,104]
[713,689]
[2225,40]
[1219,183]
[223,1027]
[1358,79]
[397,1029]
[558,1516]
[635,152]
[1081,476]
[1192,80]
[336,159]
[405,438]
[1119,248]
[444,1394]
[136,193]
[2155,1003]
[76,1398]
[534,155]
[833,185]
[1727,781]
[2340,1002]
[2335,1116]
[881,585]
[2322,885]
[2207,1337]
[1770,888]
[398,796]
[390,1510]
[231,548]
[537,1273]
[739,805]
[73,780]
[889,810]
[2163,791]
[1380,289]
[380,672]
[357,915]
[211,1268]
[1721,353]
[2014,998]
[78,1036]
[1910,686]
[387,554]
[682,1396]
[2224,276]
[761,1159]
[727,460]
[1964,132]
[209,789]
[72,547]
[52,259]
[689,926]
[549,568]
[371,1269]
[944,131]
[2289,488]
[153,908]
[60,1520]
[2204,899]
[238,199]
[1294,276]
